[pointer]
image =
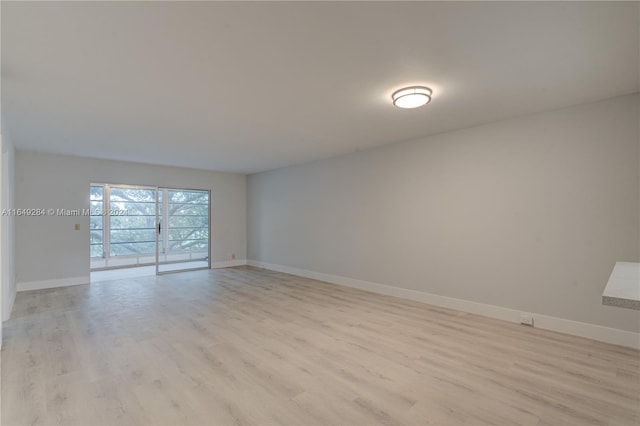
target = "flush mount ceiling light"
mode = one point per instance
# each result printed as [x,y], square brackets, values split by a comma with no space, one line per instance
[411,97]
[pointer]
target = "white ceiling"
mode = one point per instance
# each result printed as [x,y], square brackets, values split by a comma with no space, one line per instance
[248,87]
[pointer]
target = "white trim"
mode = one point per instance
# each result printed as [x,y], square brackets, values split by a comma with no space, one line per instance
[582,329]
[59,282]
[228,263]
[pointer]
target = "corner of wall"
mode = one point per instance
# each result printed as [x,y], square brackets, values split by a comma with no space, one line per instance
[7,225]
[6,313]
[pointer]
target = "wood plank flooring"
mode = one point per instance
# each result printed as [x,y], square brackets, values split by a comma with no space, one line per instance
[245,346]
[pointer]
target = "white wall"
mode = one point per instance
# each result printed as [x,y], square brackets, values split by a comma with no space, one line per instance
[1,259]
[7,224]
[529,214]
[48,248]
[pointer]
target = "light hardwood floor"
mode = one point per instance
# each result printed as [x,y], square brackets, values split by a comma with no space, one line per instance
[249,346]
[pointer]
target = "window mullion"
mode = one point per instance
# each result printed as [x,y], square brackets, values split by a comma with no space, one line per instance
[106,221]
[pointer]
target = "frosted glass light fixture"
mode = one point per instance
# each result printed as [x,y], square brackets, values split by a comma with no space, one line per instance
[411,97]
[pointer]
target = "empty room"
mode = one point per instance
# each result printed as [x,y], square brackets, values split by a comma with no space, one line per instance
[320,213]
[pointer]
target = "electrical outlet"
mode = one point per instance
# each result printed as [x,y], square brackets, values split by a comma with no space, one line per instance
[233,256]
[526,319]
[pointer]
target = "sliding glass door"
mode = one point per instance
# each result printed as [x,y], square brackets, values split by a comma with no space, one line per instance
[145,226]
[123,226]
[183,230]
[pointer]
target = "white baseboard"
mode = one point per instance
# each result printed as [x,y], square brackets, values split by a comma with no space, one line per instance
[228,263]
[581,329]
[60,282]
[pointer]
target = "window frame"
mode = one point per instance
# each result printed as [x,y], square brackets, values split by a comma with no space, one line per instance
[162,209]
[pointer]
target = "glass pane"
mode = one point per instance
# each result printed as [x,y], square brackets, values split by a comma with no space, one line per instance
[189,246]
[120,249]
[187,231]
[133,236]
[188,209]
[134,209]
[133,195]
[188,222]
[95,237]
[126,222]
[131,233]
[95,222]
[188,197]
[96,193]
[134,232]
[188,234]
[96,250]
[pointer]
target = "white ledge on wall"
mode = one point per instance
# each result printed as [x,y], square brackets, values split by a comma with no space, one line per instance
[623,288]
[561,325]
